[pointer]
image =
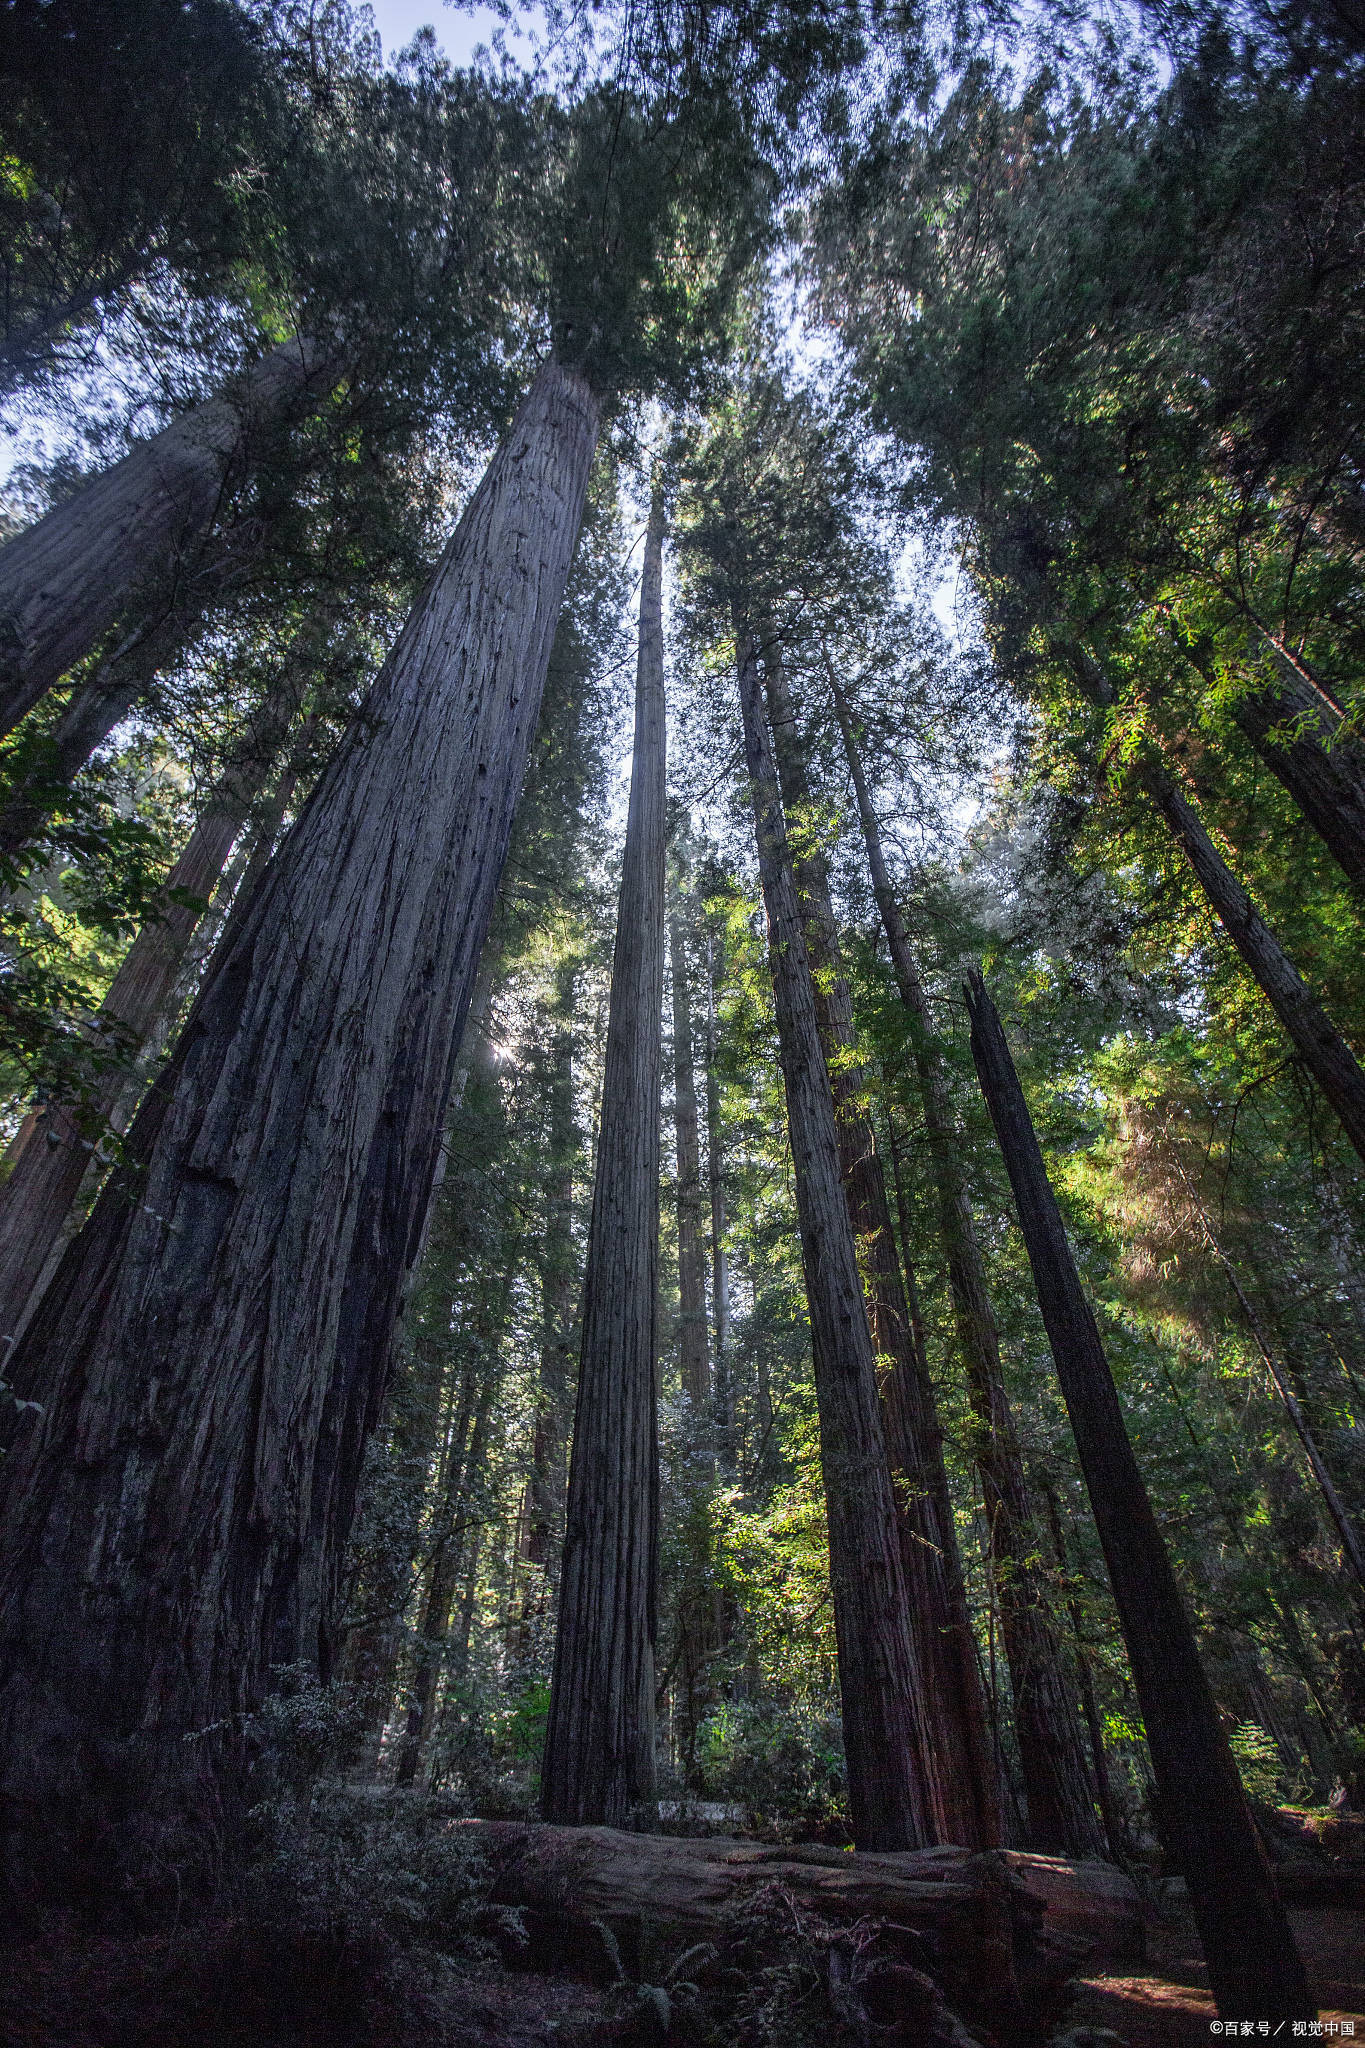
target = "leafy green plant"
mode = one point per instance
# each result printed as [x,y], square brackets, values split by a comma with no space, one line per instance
[783,1765]
[1258,1761]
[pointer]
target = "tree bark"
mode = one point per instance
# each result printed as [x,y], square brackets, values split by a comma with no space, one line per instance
[1061,1814]
[692,1333]
[175,1523]
[720,1261]
[1254,1967]
[52,1149]
[1327,783]
[135,527]
[43,768]
[1094,1726]
[881,1683]
[599,1744]
[955,1760]
[1004,1930]
[558,1288]
[1319,1044]
[1285,727]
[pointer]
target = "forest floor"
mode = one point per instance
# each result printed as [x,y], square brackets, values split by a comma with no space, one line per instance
[1163,2004]
[1167,2003]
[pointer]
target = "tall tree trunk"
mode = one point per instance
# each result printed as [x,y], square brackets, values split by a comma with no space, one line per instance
[224,1321]
[701,1616]
[134,528]
[599,1744]
[692,1333]
[41,769]
[955,1762]
[1286,726]
[881,1683]
[1061,1815]
[720,1260]
[1254,1967]
[52,1149]
[1315,1037]
[450,1550]
[558,1291]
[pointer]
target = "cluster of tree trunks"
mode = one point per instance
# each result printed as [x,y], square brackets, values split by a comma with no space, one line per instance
[882,1683]
[955,1756]
[1057,1787]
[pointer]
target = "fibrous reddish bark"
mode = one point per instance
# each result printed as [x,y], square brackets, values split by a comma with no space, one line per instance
[65,580]
[599,1743]
[218,1335]
[1202,1815]
[1061,1814]
[881,1683]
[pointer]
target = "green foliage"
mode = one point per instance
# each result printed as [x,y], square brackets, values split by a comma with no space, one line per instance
[1258,1762]
[783,1766]
[355,1862]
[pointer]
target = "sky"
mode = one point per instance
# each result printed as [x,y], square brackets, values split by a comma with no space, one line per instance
[458,30]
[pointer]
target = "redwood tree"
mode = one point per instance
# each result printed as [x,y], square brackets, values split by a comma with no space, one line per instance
[1202,1811]
[136,527]
[954,1749]
[599,1744]
[1061,1813]
[881,1683]
[217,1338]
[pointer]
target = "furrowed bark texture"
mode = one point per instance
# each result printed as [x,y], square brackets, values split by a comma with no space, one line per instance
[599,1744]
[1005,1930]
[954,1750]
[559,1288]
[1061,1815]
[1203,1816]
[64,580]
[174,1524]
[692,1333]
[52,1148]
[881,1684]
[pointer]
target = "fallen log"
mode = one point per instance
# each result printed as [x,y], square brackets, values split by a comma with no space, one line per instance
[998,1931]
